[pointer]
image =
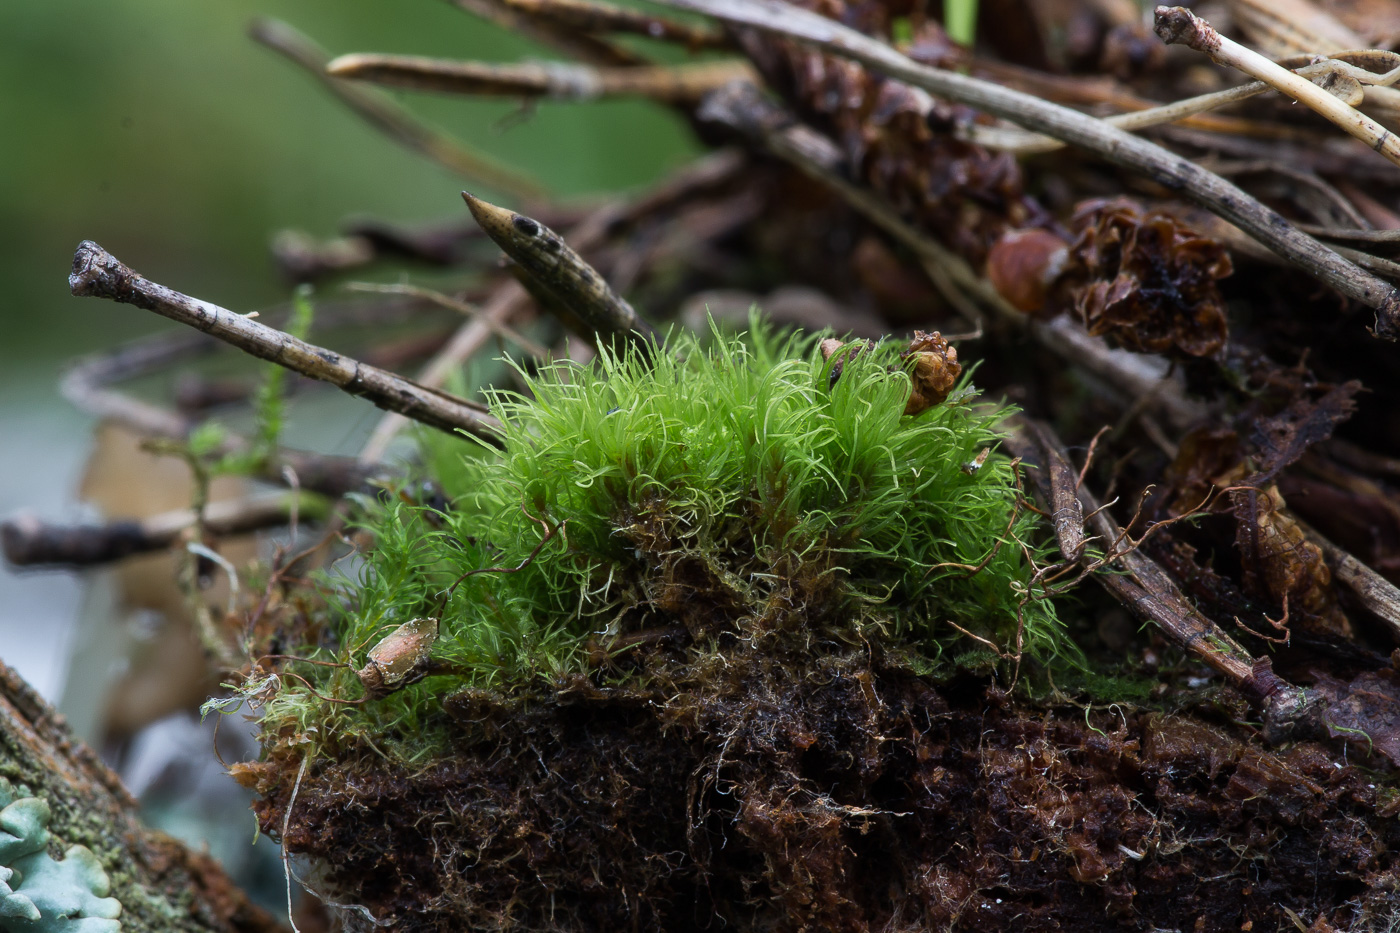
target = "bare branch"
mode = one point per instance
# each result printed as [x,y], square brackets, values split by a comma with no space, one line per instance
[396,122]
[1178,25]
[1165,167]
[29,542]
[679,84]
[591,16]
[1374,591]
[99,274]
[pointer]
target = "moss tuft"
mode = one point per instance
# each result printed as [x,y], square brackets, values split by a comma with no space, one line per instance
[746,489]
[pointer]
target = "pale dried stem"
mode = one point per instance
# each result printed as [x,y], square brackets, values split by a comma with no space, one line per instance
[1021,143]
[1178,25]
[1174,171]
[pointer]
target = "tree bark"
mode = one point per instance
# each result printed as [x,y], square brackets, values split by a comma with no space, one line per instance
[162,885]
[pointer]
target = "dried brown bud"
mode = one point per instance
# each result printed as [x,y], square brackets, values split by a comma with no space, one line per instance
[1145,280]
[400,659]
[933,368]
[1023,264]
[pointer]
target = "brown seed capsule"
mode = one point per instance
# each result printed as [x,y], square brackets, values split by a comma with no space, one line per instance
[934,370]
[1023,264]
[400,659]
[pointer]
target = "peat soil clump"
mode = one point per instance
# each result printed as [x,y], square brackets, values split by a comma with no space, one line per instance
[782,788]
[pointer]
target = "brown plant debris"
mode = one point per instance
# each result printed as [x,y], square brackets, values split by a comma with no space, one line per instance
[1145,280]
[771,788]
[930,361]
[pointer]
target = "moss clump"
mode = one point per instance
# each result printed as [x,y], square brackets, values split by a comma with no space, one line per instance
[742,489]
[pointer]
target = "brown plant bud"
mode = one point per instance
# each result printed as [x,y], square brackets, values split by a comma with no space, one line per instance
[400,658]
[934,370]
[1022,265]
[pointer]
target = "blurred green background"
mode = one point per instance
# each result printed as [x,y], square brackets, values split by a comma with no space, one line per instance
[158,129]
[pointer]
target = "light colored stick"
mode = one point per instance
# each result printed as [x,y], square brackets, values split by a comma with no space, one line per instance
[1176,172]
[1178,25]
[1021,143]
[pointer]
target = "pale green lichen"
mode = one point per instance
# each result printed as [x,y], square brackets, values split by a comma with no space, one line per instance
[39,894]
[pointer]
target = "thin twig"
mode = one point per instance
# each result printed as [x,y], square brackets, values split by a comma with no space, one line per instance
[557,36]
[1178,25]
[677,84]
[500,329]
[591,16]
[29,542]
[396,122]
[1171,170]
[1374,591]
[99,274]
[1022,143]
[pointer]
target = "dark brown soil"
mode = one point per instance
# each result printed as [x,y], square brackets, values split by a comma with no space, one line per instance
[823,789]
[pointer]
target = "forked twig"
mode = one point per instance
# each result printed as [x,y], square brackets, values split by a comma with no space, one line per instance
[1178,25]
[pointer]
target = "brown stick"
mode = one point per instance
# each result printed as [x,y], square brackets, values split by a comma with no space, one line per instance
[680,84]
[1374,591]
[29,542]
[1148,591]
[1167,168]
[163,886]
[590,16]
[396,122]
[99,274]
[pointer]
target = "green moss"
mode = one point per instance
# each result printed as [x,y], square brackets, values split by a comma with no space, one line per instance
[735,490]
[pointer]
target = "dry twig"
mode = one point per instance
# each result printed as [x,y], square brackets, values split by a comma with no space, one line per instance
[99,274]
[1178,25]
[679,84]
[29,542]
[396,123]
[1163,166]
